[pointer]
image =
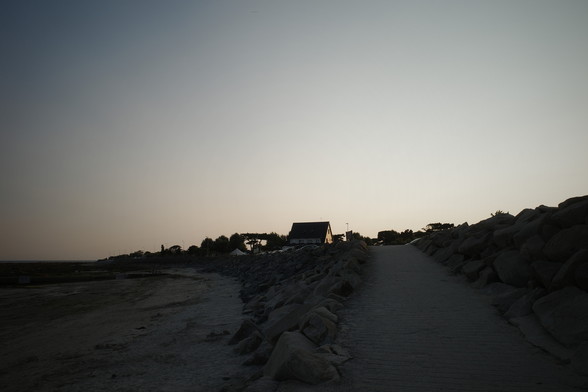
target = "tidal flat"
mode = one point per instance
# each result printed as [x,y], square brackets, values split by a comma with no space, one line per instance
[163,329]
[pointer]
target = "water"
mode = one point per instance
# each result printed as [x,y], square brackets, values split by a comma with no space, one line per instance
[45,261]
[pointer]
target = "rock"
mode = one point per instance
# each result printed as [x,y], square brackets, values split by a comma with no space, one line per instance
[443,254]
[294,358]
[538,336]
[564,314]
[318,327]
[528,230]
[526,215]
[532,248]
[455,263]
[548,231]
[544,271]
[504,296]
[325,285]
[503,238]
[512,269]
[331,304]
[524,305]
[474,245]
[566,274]
[299,297]
[572,200]
[263,384]
[345,286]
[486,276]
[581,277]
[325,313]
[334,353]
[261,355]
[567,242]
[573,214]
[255,305]
[288,322]
[279,313]
[249,344]
[246,329]
[472,269]
[579,359]
[496,222]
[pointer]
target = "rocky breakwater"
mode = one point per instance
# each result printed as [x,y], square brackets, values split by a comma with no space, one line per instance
[535,268]
[292,300]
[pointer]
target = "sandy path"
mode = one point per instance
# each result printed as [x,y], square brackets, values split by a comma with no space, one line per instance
[149,334]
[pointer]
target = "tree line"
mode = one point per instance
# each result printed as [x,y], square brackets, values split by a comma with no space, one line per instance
[246,242]
[266,242]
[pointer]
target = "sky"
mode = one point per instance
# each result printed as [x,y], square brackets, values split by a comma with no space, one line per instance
[125,125]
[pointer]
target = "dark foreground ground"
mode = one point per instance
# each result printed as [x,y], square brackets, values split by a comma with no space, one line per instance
[165,328]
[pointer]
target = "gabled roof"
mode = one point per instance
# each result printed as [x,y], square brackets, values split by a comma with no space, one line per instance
[309,230]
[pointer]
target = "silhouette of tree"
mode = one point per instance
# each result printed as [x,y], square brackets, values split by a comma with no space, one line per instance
[207,245]
[221,244]
[275,241]
[237,241]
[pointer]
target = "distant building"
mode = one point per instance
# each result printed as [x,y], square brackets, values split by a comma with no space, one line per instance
[310,233]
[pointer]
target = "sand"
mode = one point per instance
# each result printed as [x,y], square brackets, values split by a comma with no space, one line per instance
[162,333]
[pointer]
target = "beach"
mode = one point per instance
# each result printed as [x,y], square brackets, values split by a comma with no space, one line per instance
[163,332]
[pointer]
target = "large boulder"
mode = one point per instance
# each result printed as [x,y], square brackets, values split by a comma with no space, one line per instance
[567,242]
[472,269]
[503,296]
[455,263]
[524,305]
[503,238]
[485,277]
[580,359]
[532,249]
[544,271]
[293,358]
[287,322]
[512,269]
[564,314]
[319,325]
[474,245]
[565,275]
[529,229]
[581,277]
[246,329]
[572,212]
[572,200]
[249,344]
[443,254]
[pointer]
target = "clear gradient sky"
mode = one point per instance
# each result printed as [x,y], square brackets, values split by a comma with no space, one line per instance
[130,124]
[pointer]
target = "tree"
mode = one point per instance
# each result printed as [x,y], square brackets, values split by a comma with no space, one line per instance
[367,240]
[207,245]
[175,249]
[237,241]
[274,241]
[193,250]
[221,244]
[388,237]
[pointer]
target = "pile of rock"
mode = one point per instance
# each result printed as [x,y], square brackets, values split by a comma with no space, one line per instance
[292,302]
[535,267]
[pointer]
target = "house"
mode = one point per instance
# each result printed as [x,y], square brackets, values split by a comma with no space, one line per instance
[310,233]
